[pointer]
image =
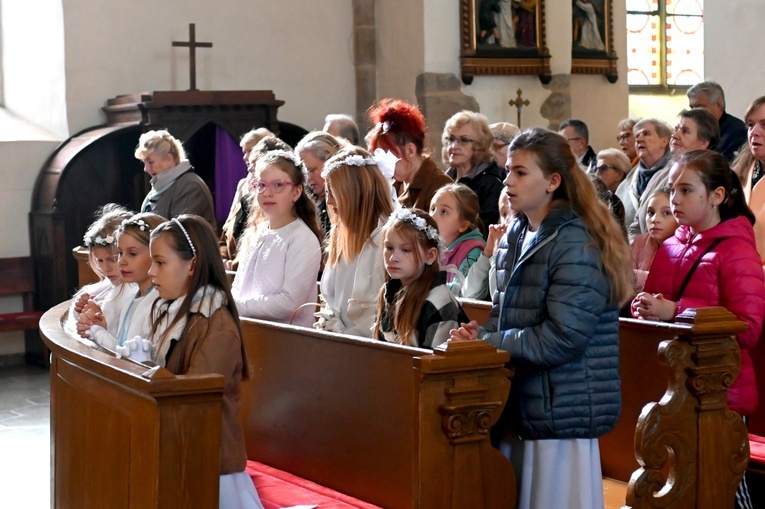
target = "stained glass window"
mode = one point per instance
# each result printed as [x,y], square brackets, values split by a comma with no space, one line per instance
[665,42]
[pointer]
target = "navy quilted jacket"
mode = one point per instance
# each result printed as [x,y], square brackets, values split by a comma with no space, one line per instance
[552,313]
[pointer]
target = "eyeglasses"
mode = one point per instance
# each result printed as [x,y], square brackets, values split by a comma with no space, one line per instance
[577,138]
[462,140]
[623,137]
[276,187]
[498,145]
[602,168]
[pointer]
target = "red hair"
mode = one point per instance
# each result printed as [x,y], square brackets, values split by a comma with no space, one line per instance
[395,124]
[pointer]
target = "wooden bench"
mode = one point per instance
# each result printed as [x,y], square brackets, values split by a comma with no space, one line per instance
[17,278]
[396,426]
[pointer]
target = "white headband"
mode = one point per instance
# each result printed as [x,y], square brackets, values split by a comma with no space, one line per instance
[384,160]
[185,234]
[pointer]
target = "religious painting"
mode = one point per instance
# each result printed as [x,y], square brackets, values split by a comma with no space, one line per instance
[501,37]
[592,39]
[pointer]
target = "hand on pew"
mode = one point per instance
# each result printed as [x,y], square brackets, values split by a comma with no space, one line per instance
[81,301]
[653,307]
[466,332]
[91,315]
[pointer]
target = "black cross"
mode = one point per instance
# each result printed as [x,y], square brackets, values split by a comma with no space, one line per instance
[192,44]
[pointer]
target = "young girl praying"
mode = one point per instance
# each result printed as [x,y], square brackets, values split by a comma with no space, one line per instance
[280,252]
[196,331]
[101,241]
[134,318]
[414,306]
[455,209]
[661,225]
[563,269]
[359,197]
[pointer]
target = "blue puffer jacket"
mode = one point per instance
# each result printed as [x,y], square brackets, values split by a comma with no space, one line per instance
[562,332]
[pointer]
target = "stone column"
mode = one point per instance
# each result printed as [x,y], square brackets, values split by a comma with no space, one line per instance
[364,51]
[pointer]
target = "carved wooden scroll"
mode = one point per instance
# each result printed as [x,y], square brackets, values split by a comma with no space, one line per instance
[692,449]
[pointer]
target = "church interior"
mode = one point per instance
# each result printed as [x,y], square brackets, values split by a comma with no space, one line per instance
[77,88]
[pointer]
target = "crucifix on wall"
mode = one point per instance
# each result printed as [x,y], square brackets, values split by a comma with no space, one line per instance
[519,104]
[192,44]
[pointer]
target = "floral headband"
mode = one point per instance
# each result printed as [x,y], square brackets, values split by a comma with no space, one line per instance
[138,223]
[384,160]
[99,241]
[408,216]
[289,156]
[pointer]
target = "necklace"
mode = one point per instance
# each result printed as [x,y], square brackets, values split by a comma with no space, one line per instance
[757,174]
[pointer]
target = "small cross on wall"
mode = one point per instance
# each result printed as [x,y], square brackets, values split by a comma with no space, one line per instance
[519,104]
[192,44]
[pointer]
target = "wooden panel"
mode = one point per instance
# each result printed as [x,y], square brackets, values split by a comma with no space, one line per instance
[122,439]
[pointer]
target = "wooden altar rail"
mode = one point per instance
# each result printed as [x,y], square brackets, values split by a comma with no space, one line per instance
[393,425]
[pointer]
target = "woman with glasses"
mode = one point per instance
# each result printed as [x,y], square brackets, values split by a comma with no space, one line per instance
[609,170]
[280,252]
[399,127]
[467,150]
[503,133]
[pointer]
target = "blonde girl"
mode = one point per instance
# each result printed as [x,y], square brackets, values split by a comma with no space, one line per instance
[414,306]
[358,195]
[195,330]
[101,241]
[455,209]
[280,253]
[134,318]
[563,271]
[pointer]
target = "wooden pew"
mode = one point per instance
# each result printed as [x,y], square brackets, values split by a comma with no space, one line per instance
[393,425]
[123,439]
[697,360]
[399,427]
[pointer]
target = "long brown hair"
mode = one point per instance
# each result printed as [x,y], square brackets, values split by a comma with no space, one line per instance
[409,299]
[209,270]
[363,200]
[553,155]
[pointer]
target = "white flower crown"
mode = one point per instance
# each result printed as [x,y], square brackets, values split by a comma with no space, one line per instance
[139,223]
[384,160]
[98,241]
[408,216]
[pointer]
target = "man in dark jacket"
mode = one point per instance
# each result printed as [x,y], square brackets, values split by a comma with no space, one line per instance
[710,96]
[578,136]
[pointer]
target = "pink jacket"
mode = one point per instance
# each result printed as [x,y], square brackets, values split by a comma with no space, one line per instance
[730,275]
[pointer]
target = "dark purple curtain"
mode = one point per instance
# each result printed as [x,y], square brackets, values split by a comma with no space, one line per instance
[229,170]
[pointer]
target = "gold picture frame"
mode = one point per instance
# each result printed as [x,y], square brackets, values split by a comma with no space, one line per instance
[592,45]
[503,37]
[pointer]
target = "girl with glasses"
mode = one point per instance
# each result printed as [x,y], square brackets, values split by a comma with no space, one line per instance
[280,252]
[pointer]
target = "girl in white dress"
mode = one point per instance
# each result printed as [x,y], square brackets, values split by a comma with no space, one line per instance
[280,252]
[358,195]
[134,320]
[101,241]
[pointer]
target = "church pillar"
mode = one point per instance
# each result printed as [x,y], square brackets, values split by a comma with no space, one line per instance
[364,51]
[557,107]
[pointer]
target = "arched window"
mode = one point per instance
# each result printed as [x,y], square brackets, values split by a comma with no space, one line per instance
[665,43]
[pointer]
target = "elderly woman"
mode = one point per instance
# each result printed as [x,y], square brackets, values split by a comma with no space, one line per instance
[696,129]
[750,167]
[652,145]
[314,150]
[626,140]
[175,188]
[503,133]
[399,127]
[467,150]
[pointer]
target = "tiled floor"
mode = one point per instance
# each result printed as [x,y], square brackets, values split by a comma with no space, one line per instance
[24,438]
